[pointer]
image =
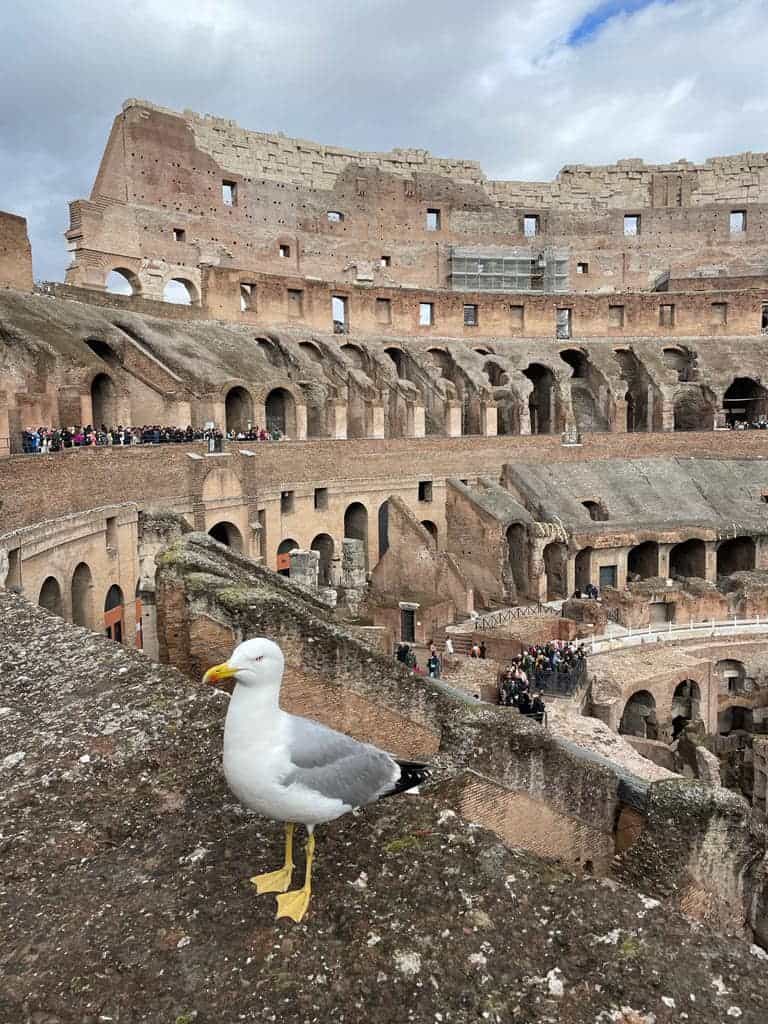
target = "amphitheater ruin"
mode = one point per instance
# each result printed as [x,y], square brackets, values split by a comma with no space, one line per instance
[493,398]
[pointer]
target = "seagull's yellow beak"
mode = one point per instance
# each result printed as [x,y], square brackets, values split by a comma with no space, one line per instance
[219,674]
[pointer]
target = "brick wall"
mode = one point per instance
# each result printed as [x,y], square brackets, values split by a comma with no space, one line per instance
[15,253]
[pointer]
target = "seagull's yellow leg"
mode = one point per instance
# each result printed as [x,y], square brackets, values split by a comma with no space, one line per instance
[294,904]
[278,881]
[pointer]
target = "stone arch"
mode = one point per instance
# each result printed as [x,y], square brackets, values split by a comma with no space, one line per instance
[82,596]
[731,673]
[180,291]
[284,549]
[220,484]
[517,557]
[440,358]
[354,355]
[541,402]
[50,596]
[398,358]
[639,716]
[270,351]
[737,554]
[681,360]
[694,409]
[121,281]
[383,523]
[227,533]
[556,569]
[103,401]
[104,351]
[311,351]
[688,559]
[238,410]
[431,529]
[598,513]
[114,610]
[638,395]
[323,544]
[508,409]
[484,350]
[496,374]
[578,362]
[280,411]
[583,568]
[745,400]
[686,701]
[356,522]
[643,560]
[736,717]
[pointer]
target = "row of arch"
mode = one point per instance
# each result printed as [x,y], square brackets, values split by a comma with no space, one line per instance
[179,291]
[51,598]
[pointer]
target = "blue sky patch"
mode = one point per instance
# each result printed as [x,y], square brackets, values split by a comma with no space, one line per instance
[592,22]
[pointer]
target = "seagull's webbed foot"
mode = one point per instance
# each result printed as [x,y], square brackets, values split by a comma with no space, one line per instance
[294,904]
[278,881]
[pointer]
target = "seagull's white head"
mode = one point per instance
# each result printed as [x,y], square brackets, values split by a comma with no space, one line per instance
[253,663]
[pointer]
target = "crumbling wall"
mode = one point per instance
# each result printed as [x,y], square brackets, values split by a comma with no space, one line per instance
[15,253]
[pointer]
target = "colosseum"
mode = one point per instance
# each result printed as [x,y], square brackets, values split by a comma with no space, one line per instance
[357,400]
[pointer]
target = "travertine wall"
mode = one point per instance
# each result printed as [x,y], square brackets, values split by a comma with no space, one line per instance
[15,253]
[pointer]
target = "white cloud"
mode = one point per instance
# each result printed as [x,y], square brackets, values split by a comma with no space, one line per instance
[496,82]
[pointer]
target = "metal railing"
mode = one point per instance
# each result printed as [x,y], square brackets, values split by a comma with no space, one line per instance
[561,683]
[677,631]
[502,617]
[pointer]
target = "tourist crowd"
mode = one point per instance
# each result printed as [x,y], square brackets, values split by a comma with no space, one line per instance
[758,424]
[42,440]
[532,666]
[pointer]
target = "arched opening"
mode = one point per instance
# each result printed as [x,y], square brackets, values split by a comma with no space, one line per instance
[354,355]
[227,533]
[102,350]
[238,407]
[114,614]
[270,351]
[686,702]
[82,596]
[578,362]
[431,529]
[556,568]
[122,282]
[507,411]
[735,555]
[398,358]
[681,360]
[688,559]
[583,567]
[517,551]
[541,400]
[639,717]
[383,518]
[441,360]
[284,549]
[732,675]
[736,718]
[311,351]
[356,525]
[103,401]
[484,350]
[598,513]
[50,596]
[638,395]
[497,376]
[180,292]
[643,561]
[745,401]
[323,544]
[280,409]
[694,409]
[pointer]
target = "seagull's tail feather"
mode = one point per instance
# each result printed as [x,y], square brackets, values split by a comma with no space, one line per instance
[412,774]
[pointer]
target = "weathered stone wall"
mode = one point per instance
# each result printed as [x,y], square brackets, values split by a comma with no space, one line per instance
[15,253]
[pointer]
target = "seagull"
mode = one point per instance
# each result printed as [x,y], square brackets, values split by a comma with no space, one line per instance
[293,769]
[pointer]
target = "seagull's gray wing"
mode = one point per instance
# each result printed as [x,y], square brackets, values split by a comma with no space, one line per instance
[337,766]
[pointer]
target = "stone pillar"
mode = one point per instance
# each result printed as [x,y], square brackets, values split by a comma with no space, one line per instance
[453,419]
[375,419]
[353,573]
[667,414]
[570,575]
[619,421]
[538,576]
[301,423]
[664,550]
[710,561]
[489,419]
[218,415]
[337,420]
[305,567]
[621,568]
[419,428]
[5,428]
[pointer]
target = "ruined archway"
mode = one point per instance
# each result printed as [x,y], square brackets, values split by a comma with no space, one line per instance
[114,612]
[745,401]
[383,522]
[121,281]
[639,716]
[578,362]
[583,568]
[238,407]
[284,549]
[517,557]
[398,358]
[686,702]
[643,561]
[541,403]
[180,291]
[82,596]
[50,596]
[103,401]
[688,559]
[497,375]
[431,529]
[227,533]
[280,411]
[356,522]
[311,351]
[556,569]
[323,544]
[694,409]
[732,675]
[735,555]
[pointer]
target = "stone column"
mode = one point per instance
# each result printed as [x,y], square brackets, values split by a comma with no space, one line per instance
[710,561]
[489,419]
[375,419]
[416,420]
[337,420]
[570,575]
[301,423]
[453,419]
[5,429]
[619,421]
[538,576]
[664,550]
[305,567]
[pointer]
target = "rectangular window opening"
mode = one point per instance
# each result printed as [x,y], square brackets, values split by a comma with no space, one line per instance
[285,252]
[582,268]
[531,225]
[616,316]
[321,498]
[111,537]
[719,312]
[563,323]
[295,302]
[425,490]
[666,315]
[229,193]
[470,315]
[383,311]
[179,235]
[433,220]
[517,317]
[286,502]
[764,319]
[386,261]
[631,224]
[426,314]
[339,314]
[247,296]
[335,217]
[738,222]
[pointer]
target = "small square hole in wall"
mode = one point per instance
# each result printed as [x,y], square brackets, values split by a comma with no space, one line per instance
[286,502]
[738,222]
[433,220]
[247,296]
[295,302]
[470,315]
[666,315]
[517,317]
[719,312]
[631,224]
[179,235]
[383,311]
[321,498]
[531,225]
[582,268]
[229,193]
[285,252]
[386,261]
[425,490]
[335,217]
[616,316]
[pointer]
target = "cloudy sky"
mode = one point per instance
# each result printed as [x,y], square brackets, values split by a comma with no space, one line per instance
[524,86]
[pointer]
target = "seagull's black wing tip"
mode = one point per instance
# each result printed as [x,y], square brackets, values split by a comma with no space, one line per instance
[412,774]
